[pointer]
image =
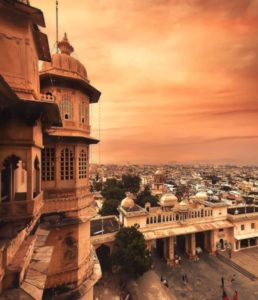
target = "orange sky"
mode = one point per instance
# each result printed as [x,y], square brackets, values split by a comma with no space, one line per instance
[179,78]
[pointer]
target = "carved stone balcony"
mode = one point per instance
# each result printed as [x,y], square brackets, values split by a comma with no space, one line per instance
[21,209]
[67,203]
[47,98]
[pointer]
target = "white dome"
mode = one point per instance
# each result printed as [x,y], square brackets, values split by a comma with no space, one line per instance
[158,172]
[201,195]
[127,203]
[168,199]
[184,204]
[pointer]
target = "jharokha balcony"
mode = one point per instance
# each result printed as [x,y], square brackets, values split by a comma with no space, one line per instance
[21,208]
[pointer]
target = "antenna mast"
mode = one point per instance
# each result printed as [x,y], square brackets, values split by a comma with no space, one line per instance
[56,26]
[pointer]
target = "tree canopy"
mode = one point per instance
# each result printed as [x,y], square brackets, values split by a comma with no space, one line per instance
[109,207]
[130,254]
[146,196]
[131,183]
[113,189]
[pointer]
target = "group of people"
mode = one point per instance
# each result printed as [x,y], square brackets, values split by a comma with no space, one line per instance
[178,260]
[224,294]
[164,281]
[185,278]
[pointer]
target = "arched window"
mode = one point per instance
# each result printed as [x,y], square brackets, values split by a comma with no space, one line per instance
[83,112]
[67,164]
[36,181]
[83,165]
[66,107]
[13,180]
[48,164]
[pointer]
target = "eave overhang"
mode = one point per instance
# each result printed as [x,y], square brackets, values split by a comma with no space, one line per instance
[35,14]
[49,79]
[69,139]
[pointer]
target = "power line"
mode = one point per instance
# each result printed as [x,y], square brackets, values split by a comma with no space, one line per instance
[57,26]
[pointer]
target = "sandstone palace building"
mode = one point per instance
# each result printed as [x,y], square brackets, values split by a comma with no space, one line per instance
[45,203]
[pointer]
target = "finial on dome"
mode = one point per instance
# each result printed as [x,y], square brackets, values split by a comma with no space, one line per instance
[64,46]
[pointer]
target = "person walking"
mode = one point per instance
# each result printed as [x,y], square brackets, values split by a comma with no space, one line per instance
[224,295]
[235,296]
[186,278]
[233,278]
[222,282]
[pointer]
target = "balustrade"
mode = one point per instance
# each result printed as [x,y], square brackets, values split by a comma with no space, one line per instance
[21,209]
[165,217]
[67,203]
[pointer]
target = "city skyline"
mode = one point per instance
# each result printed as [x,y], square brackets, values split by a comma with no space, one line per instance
[178,79]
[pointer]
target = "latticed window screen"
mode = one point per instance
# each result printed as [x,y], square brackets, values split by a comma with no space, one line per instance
[67,164]
[48,164]
[82,112]
[83,165]
[66,107]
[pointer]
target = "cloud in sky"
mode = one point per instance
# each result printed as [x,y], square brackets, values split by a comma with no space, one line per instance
[172,74]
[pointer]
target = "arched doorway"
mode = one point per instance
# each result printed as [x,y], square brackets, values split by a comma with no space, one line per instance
[103,253]
[160,247]
[13,180]
[221,241]
[36,181]
[180,244]
[200,240]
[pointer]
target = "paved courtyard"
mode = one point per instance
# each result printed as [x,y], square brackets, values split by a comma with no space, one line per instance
[247,259]
[204,278]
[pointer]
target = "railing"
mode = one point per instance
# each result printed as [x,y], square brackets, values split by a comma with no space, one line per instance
[104,238]
[168,217]
[67,203]
[21,209]
[242,217]
[47,97]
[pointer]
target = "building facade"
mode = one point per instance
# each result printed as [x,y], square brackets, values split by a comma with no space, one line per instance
[188,227]
[45,203]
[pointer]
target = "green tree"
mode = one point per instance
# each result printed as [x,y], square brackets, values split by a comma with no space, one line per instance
[131,183]
[146,196]
[113,189]
[97,186]
[109,207]
[130,255]
[181,191]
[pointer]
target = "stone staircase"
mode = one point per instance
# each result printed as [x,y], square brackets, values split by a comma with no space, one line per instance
[235,266]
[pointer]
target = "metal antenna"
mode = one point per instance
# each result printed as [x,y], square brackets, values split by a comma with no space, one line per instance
[56,26]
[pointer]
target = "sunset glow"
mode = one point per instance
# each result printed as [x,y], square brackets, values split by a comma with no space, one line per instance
[179,79]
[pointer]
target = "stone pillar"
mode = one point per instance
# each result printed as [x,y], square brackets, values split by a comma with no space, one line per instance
[212,242]
[30,176]
[76,165]
[57,165]
[148,244]
[171,244]
[193,245]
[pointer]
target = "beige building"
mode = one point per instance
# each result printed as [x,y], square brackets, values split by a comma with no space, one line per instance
[188,227]
[45,203]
